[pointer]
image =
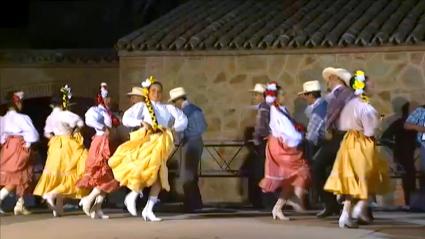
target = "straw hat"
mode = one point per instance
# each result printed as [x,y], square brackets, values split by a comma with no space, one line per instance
[343,74]
[177,93]
[136,91]
[259,88]
[310,86]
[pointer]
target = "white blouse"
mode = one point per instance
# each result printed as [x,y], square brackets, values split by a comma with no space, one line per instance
[133,117]
[97,117]
[17,124]
[61,122]
[167,115]
[360,116]
[282,128]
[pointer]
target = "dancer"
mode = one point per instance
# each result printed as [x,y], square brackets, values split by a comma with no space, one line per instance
[142,161]
[324,159]
[17,135]
[286,167]
[66,157]
[193,146]
[99,177]
[316,112]
[260,200]
[358,171]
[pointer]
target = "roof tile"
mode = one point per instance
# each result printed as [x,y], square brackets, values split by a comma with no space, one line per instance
[252,24]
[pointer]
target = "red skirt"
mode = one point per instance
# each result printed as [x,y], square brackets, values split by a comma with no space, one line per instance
[15,165]
[98,173]
[285,167]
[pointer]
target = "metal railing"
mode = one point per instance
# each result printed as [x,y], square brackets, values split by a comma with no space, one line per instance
[211,147]
[398,171]
[226,169]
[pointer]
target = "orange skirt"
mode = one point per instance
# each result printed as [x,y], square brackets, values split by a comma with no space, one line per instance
[285,167]
[98,173]
[15,165]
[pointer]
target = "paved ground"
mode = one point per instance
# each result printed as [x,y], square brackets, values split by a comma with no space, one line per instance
[224,225]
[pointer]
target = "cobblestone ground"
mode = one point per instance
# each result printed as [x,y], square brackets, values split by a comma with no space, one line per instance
[233,225]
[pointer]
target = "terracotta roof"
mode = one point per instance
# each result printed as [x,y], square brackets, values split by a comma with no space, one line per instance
[268,24]
[90,56]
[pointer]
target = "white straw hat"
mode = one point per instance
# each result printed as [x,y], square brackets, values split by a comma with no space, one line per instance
[136,91]
[259,88]
[176,93]
[343,74]
[310,86]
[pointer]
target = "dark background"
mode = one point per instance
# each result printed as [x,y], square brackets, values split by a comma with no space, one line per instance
[84,24]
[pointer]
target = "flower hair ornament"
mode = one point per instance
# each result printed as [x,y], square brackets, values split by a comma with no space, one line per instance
[271,93]
[66,96]
[359,85]
[18,96]
[146,84]
[103,93]
[271,96]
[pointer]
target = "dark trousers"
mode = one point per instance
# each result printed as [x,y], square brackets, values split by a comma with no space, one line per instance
[323,162]
[261,199]
[189,173]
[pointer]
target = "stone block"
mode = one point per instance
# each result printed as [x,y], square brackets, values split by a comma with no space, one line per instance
[251,64]
[411,78]
[276,65]
[416,58]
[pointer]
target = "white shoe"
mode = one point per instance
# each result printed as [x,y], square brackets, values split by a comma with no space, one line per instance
[98,215]
[96,212]
[277,212]
[150,216]
[357,210]
[346,222]
[51,204]
[86,205]
[20,208]
[130,203]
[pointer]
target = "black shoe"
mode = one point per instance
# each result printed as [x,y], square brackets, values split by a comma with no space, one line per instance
[328,211]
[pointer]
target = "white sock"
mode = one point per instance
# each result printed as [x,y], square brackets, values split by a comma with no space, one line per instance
[100,198]
[133,194]
[3,194]
[94,193]
[151,202]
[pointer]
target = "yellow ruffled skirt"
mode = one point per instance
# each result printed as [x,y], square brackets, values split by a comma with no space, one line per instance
[65,165]
[359,170]
[139,162]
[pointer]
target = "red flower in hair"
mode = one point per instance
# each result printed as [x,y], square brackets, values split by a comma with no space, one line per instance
[16,98]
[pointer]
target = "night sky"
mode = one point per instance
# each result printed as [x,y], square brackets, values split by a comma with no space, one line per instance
[15,15]
[50,24]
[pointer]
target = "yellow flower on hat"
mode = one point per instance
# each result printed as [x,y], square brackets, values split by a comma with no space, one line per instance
[358,85]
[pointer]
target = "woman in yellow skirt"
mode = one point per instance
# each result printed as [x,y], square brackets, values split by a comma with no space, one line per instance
[66,157]
[358,171]
[142,161]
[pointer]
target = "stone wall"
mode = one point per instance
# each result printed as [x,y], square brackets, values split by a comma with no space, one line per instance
[40,81]
[220,84]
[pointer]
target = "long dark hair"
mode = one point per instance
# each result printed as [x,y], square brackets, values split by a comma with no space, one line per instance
[13,99]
